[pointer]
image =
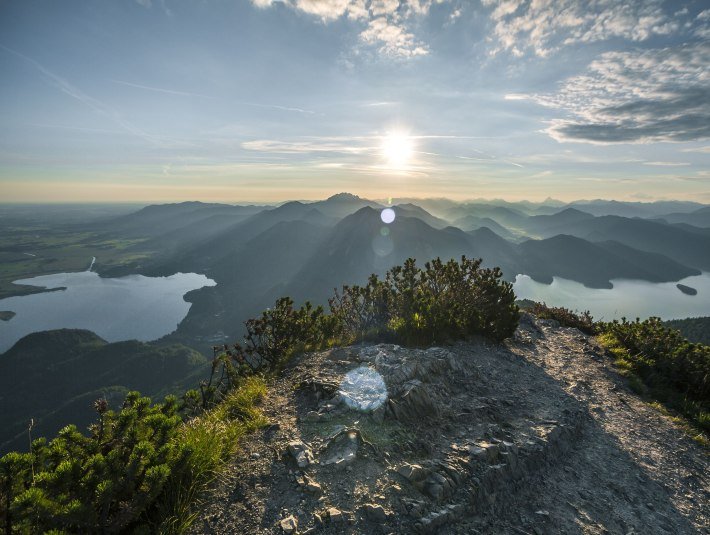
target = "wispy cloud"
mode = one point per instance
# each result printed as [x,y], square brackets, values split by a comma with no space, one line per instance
[160,89]
[667,164]
[278,107]
[379,104]
[636,96]
[200,95]
[544,26]
[305,147]
[74,92]
[387,22]
[702,150]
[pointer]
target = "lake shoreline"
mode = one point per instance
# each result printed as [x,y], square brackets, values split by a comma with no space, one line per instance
[626,298]
[134,307]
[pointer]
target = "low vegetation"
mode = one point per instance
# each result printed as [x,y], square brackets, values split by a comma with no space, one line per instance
[410,306]
[660,363]
[696,330]
[567,318]
[140,468]
[135,471]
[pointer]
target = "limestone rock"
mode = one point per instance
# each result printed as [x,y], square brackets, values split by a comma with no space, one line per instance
[301,453]
[335,515]
[312,486]
[342,449]
[415,404]
[374,512]
[413,472]
[289,524]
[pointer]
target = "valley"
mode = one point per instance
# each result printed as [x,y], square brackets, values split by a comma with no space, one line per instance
[257,253]
[240,259]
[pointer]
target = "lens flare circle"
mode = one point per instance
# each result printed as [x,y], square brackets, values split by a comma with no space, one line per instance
[363,389]
[382,245]
[387,216]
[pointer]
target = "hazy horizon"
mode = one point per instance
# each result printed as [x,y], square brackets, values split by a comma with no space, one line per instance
[266,100]
[390,200]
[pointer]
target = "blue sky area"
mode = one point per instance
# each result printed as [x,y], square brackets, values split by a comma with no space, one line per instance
[266,100]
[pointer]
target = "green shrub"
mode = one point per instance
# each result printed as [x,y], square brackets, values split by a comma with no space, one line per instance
[105,481]
[567,318]
[673,370]
[411,306]
[137,466]
[442,302]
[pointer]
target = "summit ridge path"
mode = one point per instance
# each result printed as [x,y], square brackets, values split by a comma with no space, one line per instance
[539,435]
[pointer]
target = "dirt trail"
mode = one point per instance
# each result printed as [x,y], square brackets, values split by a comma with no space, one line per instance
[537,436]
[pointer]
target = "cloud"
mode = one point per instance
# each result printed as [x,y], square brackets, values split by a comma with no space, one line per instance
[667,164]
[336,145]
[160,89]
[543,26]
[636,96]
[148,4]
[94,104]
[325,9]
[279,107]
[388,22]
[702,150]
[393,39]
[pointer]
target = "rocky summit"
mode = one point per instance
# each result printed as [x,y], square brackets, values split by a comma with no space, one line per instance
[539,435]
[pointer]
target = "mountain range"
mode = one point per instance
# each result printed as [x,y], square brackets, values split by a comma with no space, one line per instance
[306,249]
[257,253]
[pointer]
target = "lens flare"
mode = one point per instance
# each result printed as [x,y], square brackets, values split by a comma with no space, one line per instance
[363,389]
[387,216]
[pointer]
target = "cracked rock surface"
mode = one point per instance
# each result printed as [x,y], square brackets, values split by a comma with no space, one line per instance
[535,436]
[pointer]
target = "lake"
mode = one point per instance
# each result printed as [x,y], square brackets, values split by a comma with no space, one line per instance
[629,298]
[126,308]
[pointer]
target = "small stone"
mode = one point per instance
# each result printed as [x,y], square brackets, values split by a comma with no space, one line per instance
[374,512]
[311,416]
[492,451]
[412,472]
[335,515]
[312,486]
[301,452]
[435,490]
[289,524]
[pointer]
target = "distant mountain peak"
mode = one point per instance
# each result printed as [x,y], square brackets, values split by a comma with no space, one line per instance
[344,196]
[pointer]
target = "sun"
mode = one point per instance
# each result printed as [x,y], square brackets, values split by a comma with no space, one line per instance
[397,148]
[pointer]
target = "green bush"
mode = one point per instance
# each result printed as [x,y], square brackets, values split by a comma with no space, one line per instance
[105,481]
[673,370]
[410,306]
[442,302]
[136,468]
[567,318]
[695,330]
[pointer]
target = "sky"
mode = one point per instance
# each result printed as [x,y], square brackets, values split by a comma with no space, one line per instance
[268,100]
